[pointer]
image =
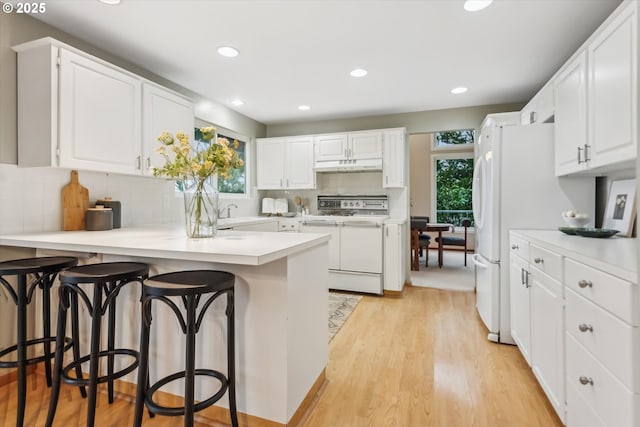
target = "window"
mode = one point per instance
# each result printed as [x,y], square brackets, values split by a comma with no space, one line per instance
[236,184]
[453,139]
[453,177]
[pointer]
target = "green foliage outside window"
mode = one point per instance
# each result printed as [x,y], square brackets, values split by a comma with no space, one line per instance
[236,183]
[454,179]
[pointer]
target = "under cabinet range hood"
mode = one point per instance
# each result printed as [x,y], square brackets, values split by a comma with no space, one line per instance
[350,165]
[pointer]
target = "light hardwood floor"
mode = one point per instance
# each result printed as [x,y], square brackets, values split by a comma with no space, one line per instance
[417,361]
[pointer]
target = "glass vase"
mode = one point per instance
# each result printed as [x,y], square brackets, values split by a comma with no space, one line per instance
[200,208]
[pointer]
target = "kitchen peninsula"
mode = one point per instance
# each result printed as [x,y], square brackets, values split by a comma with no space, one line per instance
[280,307]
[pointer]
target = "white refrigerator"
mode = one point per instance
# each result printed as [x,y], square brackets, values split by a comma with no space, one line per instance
[514,187]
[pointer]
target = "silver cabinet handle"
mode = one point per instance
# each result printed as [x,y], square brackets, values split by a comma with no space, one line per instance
[148,162]
[586,380]
[514,247]
[580,155]
[522,276]
[138,165]
[585,284]
[281,182]
[586,152]
[538,261]
[584,327]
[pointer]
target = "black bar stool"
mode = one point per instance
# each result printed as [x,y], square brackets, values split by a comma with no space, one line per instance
[107,280]
[44,271]
[190,286]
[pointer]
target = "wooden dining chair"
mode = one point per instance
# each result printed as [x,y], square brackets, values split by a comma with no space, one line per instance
[419,241]
[458,241]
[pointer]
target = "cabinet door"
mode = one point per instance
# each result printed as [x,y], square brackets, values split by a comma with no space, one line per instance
[100,116]
[393,159]
[520,309]
[299,171]
[365,145]
[612,91]
[547,337]
[163,110]
[570,87]
[393,257]
[331,147]
[270,160]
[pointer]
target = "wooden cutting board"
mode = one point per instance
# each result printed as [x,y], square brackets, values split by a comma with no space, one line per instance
[75,202]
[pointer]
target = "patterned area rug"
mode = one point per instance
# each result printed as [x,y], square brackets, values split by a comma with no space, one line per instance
[340,308]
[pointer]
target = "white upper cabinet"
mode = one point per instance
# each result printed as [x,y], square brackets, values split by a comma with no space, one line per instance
[365,145]
[163,110]
[612,89]
[99,116]
[570,89]
[78,111]
[331,147]
[393,158]
[541,107]
[596,100]
[349,146]
[285,163]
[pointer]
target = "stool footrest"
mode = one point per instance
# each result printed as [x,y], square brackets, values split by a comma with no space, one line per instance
[36,359]
[176,411]
[105,378]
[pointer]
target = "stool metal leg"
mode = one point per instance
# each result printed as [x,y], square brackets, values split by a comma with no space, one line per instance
[231,358]
[190,361]
[59,355]
[143,367]
[96,323]
[111,338]
[75,336]
[22,348]
[46,325]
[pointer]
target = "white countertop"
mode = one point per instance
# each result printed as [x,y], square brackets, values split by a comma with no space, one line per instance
[231,247]
[615,255]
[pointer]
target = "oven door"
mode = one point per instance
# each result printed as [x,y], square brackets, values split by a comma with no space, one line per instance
[361,246]
[326,227]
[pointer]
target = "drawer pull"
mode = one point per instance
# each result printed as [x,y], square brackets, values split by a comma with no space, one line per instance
[514,247]
[584,327]
[538,260]
[586,381]
[585,284]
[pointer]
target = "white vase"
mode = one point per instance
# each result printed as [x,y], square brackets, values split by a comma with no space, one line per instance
[200,208]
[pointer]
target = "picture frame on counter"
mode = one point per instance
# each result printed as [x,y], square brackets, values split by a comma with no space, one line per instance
[620,213]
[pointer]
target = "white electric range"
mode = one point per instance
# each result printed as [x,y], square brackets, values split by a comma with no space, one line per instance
[355,224]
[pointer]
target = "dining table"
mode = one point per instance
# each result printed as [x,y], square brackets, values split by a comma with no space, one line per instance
[439,228]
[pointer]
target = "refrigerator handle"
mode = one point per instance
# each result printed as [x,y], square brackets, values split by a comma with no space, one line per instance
[476,260]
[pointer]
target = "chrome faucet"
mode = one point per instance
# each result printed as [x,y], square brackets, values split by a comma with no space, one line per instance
[228,208]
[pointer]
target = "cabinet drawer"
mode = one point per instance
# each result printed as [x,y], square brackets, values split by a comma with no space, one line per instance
[546,261]
[612,341]
[519,246]
[602,391]
[579,413]
[613,294]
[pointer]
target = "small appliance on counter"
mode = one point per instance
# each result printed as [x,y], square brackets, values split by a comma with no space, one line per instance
[115,207]
[274,206]
[98,219]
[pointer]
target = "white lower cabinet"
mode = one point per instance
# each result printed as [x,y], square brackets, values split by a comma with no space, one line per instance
[584,325]
[519,293]
[394,256]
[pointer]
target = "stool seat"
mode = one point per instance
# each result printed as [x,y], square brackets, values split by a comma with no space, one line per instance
[107,280]
[44,271]
[190,287]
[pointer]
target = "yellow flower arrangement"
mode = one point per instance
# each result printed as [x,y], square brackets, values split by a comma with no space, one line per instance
[185,161]
[194,164]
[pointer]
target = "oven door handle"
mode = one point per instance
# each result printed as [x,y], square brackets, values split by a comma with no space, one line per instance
[321,223]
[371,224]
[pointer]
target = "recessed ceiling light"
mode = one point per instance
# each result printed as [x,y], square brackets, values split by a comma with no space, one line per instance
[475,5]
[458,90]
[237,102]
[358,72]
[110,1]
[303,107]
[228,51]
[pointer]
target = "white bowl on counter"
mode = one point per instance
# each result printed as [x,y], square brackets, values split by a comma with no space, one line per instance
[575,219]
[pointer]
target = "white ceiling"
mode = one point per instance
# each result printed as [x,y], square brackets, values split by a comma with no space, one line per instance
[296,52]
